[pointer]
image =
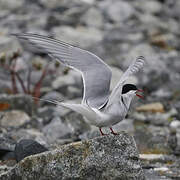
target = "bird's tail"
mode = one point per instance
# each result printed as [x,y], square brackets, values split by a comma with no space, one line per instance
[52,101]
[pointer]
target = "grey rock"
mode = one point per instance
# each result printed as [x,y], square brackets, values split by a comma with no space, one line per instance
[6,148]
[93,18]
[6,142]
[152,139]
[23,148]
[152,175]
[118,11]
[152,7]
[156,118]
[73,92]
[14,118]
[63,81]
[106,157]
[77,124]
[30,133]
[155,166]
[126,125]
[11,5]
[45,114]
[162,93]
[80,36]
[56,129]
[8,44]
[123,34]
[175,125]
[63,4]
[27,147]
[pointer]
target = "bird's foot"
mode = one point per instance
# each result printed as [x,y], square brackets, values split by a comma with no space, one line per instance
[102,132]
[112,132]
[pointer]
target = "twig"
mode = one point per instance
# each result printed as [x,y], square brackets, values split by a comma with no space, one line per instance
[13,80]
[29,81]
[21,82]
[36,91]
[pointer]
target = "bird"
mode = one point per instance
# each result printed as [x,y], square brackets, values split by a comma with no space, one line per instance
[99,106]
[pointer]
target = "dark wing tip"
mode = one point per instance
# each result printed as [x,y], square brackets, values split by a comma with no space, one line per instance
[141,57]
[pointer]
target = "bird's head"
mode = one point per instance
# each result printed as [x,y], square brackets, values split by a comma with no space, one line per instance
[130,90]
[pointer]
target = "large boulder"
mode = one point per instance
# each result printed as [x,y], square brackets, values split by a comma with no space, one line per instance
[105,157]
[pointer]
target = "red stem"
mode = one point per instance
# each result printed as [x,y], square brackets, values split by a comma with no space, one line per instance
[13,80]
[36,91]
[21,82]
[29,81]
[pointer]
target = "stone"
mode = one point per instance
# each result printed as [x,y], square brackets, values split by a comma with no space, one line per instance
[105,157]
[27,147]
[151,139]
[73,92]
[79,36]
[63,4]
[152,7]
[119,11]
[92,18]
[125,125]
[11,5]
[56,129]
[14,118]
[157,118]
[153,107]
[6,148]
[30,133]
[162,93]
[62,81]
[8,44]
[175,125]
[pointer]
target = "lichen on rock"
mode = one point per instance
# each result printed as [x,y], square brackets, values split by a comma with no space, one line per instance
[106,157]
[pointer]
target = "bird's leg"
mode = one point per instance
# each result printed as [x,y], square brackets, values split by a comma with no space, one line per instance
[101,132]
[112,132]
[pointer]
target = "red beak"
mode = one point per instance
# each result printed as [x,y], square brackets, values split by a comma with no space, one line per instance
[138,95]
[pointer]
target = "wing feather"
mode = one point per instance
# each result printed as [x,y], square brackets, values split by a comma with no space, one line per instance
[96,74]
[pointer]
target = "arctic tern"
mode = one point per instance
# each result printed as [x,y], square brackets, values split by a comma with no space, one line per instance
[99,107]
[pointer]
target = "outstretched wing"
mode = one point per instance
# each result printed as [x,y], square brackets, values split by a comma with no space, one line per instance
[96,74]
[137,64]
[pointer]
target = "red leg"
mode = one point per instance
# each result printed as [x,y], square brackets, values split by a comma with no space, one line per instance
[101,132]
[113,131]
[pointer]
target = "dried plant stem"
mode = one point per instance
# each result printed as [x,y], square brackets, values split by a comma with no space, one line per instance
[36,91]
[21,83]
[13,80]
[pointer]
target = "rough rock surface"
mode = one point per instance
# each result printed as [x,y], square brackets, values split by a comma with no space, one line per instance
[106,157]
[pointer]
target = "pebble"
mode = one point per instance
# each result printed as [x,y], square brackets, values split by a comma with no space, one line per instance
[153,107]
[14,118]
[80,36]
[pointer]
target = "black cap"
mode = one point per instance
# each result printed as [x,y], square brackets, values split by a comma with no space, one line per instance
[128,87]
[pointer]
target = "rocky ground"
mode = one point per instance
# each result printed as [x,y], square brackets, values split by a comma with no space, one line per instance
[118,31]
